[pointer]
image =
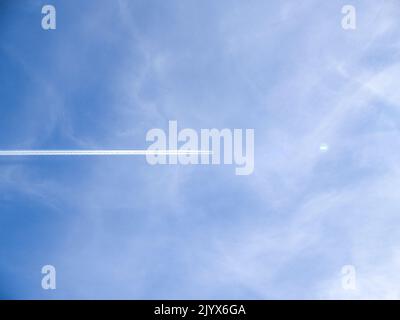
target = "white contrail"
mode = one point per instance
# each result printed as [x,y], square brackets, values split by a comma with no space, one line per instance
[99,152]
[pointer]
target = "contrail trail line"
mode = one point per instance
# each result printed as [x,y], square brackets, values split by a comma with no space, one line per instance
[26,153]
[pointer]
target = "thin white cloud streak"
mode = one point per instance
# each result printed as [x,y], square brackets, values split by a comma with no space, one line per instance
[26,153]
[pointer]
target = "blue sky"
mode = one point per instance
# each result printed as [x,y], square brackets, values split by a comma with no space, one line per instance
[120,228]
